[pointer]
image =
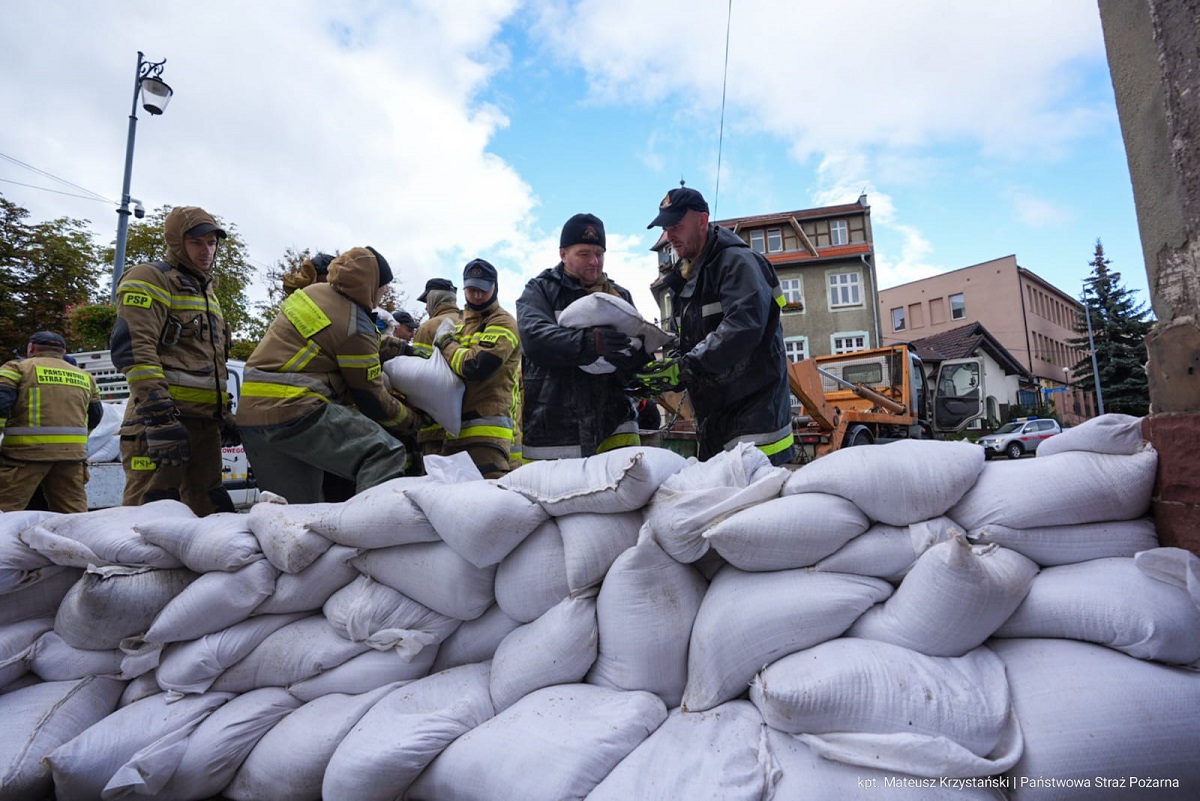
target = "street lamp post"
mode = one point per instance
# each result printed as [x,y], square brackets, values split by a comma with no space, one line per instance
[1092,347]
[155,96]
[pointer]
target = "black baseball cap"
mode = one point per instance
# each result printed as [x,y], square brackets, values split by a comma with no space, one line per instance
[49,339]
[404,318]
[200,230]
[479,274]
[436,283]
[676,204]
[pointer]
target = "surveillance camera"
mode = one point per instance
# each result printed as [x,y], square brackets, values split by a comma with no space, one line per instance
[139,210]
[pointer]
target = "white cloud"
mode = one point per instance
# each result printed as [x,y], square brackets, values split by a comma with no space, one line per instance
[1038,212]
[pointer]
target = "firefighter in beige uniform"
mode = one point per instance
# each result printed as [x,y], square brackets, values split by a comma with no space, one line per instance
[171,341]
[485,352]
[47,408]
[319,356]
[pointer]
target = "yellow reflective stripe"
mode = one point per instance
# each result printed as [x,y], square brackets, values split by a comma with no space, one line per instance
[305,314]
[3,422]
[195,303]
[145,287]
[780,300]
[11,375]
[143,372]
[45,439]
[303,356]
[457,359]
[422,349]
[619,441]
[196,395]
[142,463]
[262,389]
[499,330]
[779,445]
[495,432]
[360,360]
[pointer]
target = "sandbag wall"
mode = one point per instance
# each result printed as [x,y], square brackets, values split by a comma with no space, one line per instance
[632,625]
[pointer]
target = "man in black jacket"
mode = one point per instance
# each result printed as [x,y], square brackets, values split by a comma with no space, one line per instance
[569,412]
[726,300]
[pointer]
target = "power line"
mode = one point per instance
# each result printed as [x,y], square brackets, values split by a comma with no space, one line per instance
[59,192]
[19,163]
[724,84]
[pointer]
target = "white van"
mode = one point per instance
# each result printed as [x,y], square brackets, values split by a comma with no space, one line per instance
[106,481]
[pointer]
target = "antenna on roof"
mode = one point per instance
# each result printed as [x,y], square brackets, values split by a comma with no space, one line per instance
[681,181]
[724,85]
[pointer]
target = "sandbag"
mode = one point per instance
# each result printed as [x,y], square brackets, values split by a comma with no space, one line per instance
[39,599]
[553,744]
[645,612]
[748,620]
[213,602]
[602,309]
[365,673]
[377,517]
[53,660]
[430,385]
[20,565]
[283,534]
[218,542]
[369,612]
[787,532]
[899,483]
[311,587]
[16,647]
[1064,545]
[533,578]
[475,640]
[108,535]
[952,600]
[191,667]
[111,603]
[293,653]
[619,480]
[397,737]
[557,648]
[104,441]
[480,520]
[1119,434]
[433,574]
[592,542]
[889,552]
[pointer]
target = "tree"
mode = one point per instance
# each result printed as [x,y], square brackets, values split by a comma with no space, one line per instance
[1119,328]
[232,267]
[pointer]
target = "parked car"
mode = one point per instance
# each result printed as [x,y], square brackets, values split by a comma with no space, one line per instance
[1019,437]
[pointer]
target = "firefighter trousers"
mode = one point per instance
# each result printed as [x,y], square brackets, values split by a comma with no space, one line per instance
[62,483]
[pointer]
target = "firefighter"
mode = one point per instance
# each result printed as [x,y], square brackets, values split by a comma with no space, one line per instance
[441,303]
[484,351]
[47,408]
[171,341]
[313,396]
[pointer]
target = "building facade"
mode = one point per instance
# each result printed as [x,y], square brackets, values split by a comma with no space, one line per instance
[1031,318]
[825,259]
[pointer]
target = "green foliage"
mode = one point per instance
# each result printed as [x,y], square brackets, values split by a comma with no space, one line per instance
[89,325]
[1119,327]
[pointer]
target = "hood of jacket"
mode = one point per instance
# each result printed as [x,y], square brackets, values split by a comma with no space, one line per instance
[355,274]
[180,220]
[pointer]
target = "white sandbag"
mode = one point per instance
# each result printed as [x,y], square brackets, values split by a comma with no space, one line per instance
[429,385]
[718,755]
[1119,434]
[283,534]
[53,660]
[748,620]
[953,599]
[1064,545]
[84,765]
[533,578]
[1091,714]
[475,640]
[787,532]
[372,613]
[105,536]
[16,646]
[366,672]
[289,761]
[433,574]
[219,542]
[923,715]
[198,764]
[903,482]
[111,603]
[889,552]
[311,587]
[480,520]
[619,480]
[602,309]
[702,494]
[295,652]
[213,602]
[645,612]
[1059,490]
[1176,566]
[191,667]
[554,744]
[1110,602]
[104,441]
[141,687]
[377,517]
[807,776]
[20,565]
[397,737]
[39,599]
[592,542]
[40,718]
[557,648]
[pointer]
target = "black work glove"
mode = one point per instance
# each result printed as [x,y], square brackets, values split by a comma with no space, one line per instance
[230,436]
[167,444]
[607,343]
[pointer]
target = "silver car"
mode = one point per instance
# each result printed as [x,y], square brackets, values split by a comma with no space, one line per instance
[1019,437]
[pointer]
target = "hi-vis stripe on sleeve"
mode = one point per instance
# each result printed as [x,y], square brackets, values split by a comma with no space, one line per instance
[11,375]
[144,372]
[361,361]
[303,356]
[131,285]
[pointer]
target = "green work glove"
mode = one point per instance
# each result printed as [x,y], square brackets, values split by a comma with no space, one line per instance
[444,334]
[661,376]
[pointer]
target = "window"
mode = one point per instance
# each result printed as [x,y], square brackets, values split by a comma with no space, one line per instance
[916,315]
[845,289]
[839,232]
[958,307]
[793,294]
[774,240]
[758,242]
[849,341]
[796,348]
[937,311]
[898,318]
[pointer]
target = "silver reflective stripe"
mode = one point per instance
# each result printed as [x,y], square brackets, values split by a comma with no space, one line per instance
[709,309]
[302,380]
[55,431]
[552,452]
[760,439]
[630,427]
[501,422]
[182,379]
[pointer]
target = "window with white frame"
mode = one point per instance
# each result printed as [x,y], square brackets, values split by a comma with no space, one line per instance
[845,289]
[774,240]
[898,319]
[839,232]
[758,242]
[958,307]
[849,341]
[793,294]
[796,348]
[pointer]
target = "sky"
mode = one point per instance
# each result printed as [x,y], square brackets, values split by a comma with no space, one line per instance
[439,132]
